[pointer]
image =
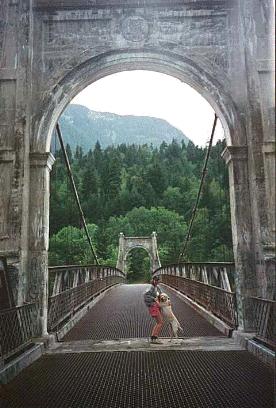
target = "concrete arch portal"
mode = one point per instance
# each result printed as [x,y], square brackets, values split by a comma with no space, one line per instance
[221,48]
[94,68]
[126,244]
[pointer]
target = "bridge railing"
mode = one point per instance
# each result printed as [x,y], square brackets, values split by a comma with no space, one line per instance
[219,274]
[264,317]
[74,286]
[220,302]
[18,325]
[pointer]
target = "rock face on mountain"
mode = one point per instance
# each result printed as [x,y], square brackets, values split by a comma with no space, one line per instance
[83,127]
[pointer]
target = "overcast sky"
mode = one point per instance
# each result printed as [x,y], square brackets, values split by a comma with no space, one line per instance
[153,94]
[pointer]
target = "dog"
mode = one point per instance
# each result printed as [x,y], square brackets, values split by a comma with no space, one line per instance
[168,316]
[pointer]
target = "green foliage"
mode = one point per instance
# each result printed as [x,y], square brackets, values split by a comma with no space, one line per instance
[137,190]
[169,226]
[138,266]
[70,246]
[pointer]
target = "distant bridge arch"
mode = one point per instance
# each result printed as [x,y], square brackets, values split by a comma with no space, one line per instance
[126,244]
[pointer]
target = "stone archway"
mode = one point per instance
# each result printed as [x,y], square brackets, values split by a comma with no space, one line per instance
[126,244]
[222,49]
[215,88]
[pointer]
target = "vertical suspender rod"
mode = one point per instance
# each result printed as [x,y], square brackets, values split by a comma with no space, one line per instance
[70,174]
[204,172]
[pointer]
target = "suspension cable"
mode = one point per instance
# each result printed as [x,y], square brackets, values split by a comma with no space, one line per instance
[70,174]
[204,171]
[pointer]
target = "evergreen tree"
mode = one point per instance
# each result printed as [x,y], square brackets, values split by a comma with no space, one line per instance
[140,189]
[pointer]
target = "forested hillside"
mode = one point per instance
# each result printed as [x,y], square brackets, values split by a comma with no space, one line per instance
[136,190]
[84,127]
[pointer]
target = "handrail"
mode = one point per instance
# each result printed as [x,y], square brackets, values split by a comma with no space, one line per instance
[18,325]
[66,304]
[79,287]
[76,285]
[264,317]
[263,299]
[53,269]
[195,263]
[216,300]
[218,274]
[200,281]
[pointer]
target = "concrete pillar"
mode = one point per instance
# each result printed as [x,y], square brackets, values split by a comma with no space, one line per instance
[243,240]
[257,37]
[37,279]
[225,280]
[10,214]
[57,283]
[7,159]
[87,274]
[120,260]
[204,275]
[269,160]
[75,278]
[15,97]
[156,260]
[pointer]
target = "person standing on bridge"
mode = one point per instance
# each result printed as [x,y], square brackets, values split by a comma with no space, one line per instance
[151,298]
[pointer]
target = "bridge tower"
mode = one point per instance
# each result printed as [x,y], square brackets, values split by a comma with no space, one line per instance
[52,50]
[126,244]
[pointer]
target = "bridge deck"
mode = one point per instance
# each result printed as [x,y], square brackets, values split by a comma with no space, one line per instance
[139,379]
[84,371]
[123,314]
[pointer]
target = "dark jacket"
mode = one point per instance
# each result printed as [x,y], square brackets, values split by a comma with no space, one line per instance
[151,294]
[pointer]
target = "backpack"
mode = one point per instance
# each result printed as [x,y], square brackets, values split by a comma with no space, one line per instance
[148,298]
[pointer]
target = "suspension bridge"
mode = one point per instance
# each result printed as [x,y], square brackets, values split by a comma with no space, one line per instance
[98,353]
[78,335]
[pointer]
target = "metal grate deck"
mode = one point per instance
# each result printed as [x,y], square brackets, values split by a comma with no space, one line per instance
[174,379]
[123,314]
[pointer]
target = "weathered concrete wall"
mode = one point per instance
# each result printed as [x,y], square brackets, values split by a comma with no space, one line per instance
[15,79]
[257,37]
[49,53]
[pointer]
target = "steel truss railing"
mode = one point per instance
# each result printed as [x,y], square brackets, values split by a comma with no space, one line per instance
[264,318]
[18,326]
[74,286]
[219,274]
[220,302]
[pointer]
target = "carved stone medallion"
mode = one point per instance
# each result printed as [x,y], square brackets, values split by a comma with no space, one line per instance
[135,28]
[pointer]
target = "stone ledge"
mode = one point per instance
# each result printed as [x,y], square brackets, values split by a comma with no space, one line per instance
[7,155]
[144,344]
[47,341]
[8,74]
[264,354]
[212,319]
[10,254]
[12,369]
[246,340]
[266,65]
[269,147]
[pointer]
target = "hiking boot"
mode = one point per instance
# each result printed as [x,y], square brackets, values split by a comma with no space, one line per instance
[155,340]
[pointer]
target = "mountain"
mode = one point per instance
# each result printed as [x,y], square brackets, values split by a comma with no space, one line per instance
[83,127]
